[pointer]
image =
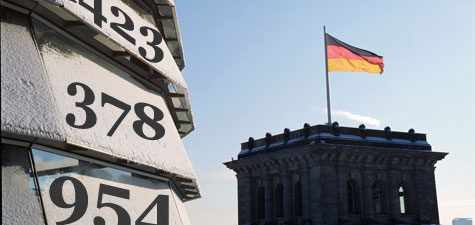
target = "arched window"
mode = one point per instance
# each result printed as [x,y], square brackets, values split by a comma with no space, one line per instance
[261,203]
[279,200]
[298,199]
[403,200]
[377,200]
[353,197]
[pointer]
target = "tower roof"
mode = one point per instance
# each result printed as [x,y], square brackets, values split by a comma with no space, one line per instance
[335,135]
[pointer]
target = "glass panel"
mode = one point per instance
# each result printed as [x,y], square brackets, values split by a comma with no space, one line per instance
[177,89]
[184,104]
[298,199]
[165,10]
[179,62]
[185,127]
[182,116]
[401,204]
[376,199]
[140,11]
[279,201]
[177,103]
[351,202]
[377,204]
[82,192]
[20,202]
[169,28]
[261,204]
[161,2]
[173,47]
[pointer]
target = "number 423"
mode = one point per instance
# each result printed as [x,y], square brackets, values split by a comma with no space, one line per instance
[81,202]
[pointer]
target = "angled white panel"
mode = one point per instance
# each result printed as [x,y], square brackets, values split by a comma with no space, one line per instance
[166,66]
[35,101]
[67,63]
[27,102]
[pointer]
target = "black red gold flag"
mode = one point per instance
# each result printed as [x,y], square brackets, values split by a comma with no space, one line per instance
[344,57]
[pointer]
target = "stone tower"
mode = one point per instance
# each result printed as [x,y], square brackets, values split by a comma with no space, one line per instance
[337,175]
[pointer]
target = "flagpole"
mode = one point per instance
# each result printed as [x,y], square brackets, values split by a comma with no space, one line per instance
[328,80]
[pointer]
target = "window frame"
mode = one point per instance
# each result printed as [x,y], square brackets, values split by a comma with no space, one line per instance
[279,200]
[353,199]
[404,194]
[261,202]
[377,196]
[29,146]
[298,203]
[33,145]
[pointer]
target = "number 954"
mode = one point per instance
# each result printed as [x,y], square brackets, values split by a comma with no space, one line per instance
[80,204]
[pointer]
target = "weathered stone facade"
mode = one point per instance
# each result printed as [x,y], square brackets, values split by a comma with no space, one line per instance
[337,175]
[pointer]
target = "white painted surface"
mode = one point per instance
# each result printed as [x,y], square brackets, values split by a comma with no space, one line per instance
[167,66]
[142,193]
[181,209]
[20,205]
[79,65]
[27,102]
[36,105]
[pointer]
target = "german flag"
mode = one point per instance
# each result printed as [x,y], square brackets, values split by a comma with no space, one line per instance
[344,57]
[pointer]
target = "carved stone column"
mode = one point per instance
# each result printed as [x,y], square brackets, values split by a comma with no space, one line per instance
[305,189]
[315,192]
[288,209]
[342,179]
[425,189]
[269,193]
[367,188]
[392,190]
[329,189]
[244,196]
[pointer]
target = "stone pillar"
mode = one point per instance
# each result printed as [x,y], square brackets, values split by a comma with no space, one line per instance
[368,178]
[342,194]
[329,190]
[432,196]
[383,177]
[305,190]
[410,179]
[315,192]
[269,197]
[244,197]
[392,190]
[287,182]
[426,191]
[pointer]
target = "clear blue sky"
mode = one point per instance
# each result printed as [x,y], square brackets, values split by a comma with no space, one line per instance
[258,66]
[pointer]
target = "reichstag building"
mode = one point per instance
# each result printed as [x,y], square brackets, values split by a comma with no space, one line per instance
[337,175]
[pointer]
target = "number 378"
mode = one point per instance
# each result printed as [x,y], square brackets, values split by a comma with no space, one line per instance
[91,118]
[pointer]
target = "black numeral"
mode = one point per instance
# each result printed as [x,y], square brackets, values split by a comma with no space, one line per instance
[152,122]
[91,118]
[162,211]
[161,203]
[80,198]
[96,10]
[127,25]
[123,217]
[119,104]
[157,39]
